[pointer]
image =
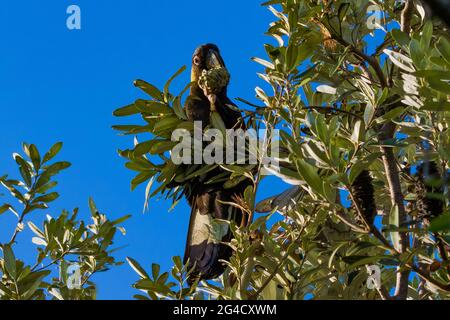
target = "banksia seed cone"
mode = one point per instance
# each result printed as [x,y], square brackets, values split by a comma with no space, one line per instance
[363,193]
[214,80]
[427,177]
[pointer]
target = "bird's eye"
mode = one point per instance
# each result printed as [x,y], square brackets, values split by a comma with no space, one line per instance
[197,60]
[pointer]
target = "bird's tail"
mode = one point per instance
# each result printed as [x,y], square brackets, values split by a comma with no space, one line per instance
[208,234]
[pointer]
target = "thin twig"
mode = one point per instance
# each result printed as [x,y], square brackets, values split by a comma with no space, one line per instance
[426,277]
[351,225]
[372,61]
[333,109]
[18,228]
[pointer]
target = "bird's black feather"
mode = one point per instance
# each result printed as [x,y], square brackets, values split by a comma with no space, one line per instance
[208,234]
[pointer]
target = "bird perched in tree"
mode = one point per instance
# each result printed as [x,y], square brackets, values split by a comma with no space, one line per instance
[210,79]
[208,234]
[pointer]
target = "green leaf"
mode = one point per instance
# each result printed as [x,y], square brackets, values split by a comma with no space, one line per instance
[291,56]
[443,46]
[401,38]
[400,60]
[177,261]
[390,115]
[342,11]
[167,85]
[265,63]
[162,146]
[167,123]
[35,229]
[126,111]
[439,84]
[120,220]
[137,268]
[358,133]
[441,223]
[357,261]
[44,188]
[143,147]
[24,168]
[147,284]
[92,207]
[32,282]
[178,109]
[155,270]
[290,143]
[437,106]
[369,112]
[4,208]
[309,173]
[54,150]
[35,157]
[56,168]
[427,33]
[149,89]
[47,198]
[217,122]
[140,178]
[153,107]
[10,260]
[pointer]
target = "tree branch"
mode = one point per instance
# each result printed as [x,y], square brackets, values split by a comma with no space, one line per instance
[393,176]
[426,277]
[372,61]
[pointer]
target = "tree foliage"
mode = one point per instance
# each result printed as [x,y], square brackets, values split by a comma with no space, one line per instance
[60,242]
[363,110]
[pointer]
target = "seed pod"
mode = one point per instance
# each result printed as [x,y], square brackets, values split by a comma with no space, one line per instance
[214,80]
[428,177]
[363,192]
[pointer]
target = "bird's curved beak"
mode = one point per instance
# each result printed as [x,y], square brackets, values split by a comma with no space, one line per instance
[214,60]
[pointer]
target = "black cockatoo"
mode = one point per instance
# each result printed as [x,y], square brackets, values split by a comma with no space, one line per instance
[207,237]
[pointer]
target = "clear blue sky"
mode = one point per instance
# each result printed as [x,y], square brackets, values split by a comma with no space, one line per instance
[61,85]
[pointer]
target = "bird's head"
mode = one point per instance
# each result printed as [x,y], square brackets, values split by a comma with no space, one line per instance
[205,58]
[209,71]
